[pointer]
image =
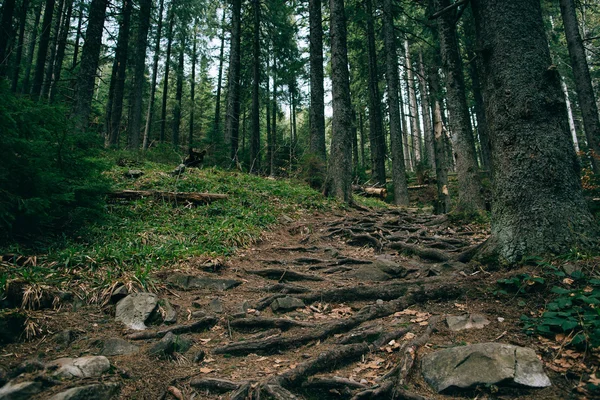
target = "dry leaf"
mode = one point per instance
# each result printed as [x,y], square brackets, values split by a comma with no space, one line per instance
[175,392]
[205,370]
[568,281]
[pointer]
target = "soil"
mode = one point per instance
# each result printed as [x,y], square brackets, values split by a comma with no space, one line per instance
[336,247]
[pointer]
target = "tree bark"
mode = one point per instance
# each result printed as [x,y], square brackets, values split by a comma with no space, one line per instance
[408,162]
[31,50]
[139,69]
[376,136]
[53,47]
[255,136]
[6,33]
[425,111]
[565,90]
[165,94]
[193,85]
[89,63]
[412,101]
[469,187]
[339,172]
[115,105]
[583,82]
[273,143]
[393,87]
[232,121]
[24,10]
[40,64]
[538,206]
[150,111]
[60,51]
[179,90]
[77,35]
[217,129]
[317,91]
[439,144]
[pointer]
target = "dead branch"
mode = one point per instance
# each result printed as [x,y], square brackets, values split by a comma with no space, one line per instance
[173,197]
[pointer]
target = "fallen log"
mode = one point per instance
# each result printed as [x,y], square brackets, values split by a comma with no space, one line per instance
[173,197]
[370,191]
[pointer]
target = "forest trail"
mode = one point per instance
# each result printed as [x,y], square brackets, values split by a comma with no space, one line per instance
[352,311]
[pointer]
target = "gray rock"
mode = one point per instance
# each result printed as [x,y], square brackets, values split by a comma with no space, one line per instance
[245,306]
[369,273]
[483,363]
[100,391]
[286,303]
[199,357]
[183,343]
[199,314]
[216,305]
[20,391]
[118,347]
[134,173]
[135,309]
[187,282]
[466,321]
[82,367]
[164,348]
[570,269]
[390,267]
[170,316]
[119,293]
[64,338]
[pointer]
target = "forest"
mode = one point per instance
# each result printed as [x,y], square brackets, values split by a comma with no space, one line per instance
[304,199]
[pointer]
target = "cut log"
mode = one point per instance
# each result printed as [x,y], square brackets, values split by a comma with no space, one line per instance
[370,191]
[173,197]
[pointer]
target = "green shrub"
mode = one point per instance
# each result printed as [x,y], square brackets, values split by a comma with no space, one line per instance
[49,181]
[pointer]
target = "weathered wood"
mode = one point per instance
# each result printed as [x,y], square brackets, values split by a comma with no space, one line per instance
[173,197]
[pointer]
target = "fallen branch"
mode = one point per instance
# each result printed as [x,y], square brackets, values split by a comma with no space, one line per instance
[173,197]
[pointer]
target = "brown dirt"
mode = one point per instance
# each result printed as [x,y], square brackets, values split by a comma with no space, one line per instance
[326,237]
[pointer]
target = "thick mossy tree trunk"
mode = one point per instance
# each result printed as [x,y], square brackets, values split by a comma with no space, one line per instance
[139,67]
[232,121]
[583,82]
[538,206]
[393,87]
[255,135]
[339,173]
[376,136]
[469,187]
[317,91]
[90,57]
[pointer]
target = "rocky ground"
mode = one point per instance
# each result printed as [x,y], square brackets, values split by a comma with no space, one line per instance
[326,307]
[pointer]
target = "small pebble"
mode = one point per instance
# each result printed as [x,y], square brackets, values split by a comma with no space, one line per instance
[500,319]
[379,301]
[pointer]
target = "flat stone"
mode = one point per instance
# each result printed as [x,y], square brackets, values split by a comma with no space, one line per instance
[101,391]
[483,364]
[119,293]
[118,347]
[135,309]
[216,305]
[187,282]
[170,316]
[369,273]
[286,303]
[20,391]
[466,321]
[82,367]
[164,348]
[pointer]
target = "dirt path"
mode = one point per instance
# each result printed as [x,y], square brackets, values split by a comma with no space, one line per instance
[354,313]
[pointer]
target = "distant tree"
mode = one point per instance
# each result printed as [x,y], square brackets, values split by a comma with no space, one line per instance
[232,123]
[317,91]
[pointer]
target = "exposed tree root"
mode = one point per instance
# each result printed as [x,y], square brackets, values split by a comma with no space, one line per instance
[200,325]
[423,252]
[220,385]
[281,323]
[334,382]
[286,288]
[284,275]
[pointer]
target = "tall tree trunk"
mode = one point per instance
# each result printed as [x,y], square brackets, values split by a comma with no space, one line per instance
[149,113]
[24,10]
[376,136]
[119,71]
[53,47]
[393,87]
[339,173]
[538,206]
[273,143]
[412,102]
[363,138]
[193,84]
[355,155]
[31,50]
[255,137]
[408,162]
[40,64]
[439,144]
[165,94]
[469,187]
[77,35]
[139,69]
[317,91]
[565,90]
[268,112]
[6,33]
[60,51]
[425,111]
[178,92]
[232,119]
[583,82]
[89,63]
[217,129]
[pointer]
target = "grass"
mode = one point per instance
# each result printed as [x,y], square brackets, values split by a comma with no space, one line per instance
[137,238]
